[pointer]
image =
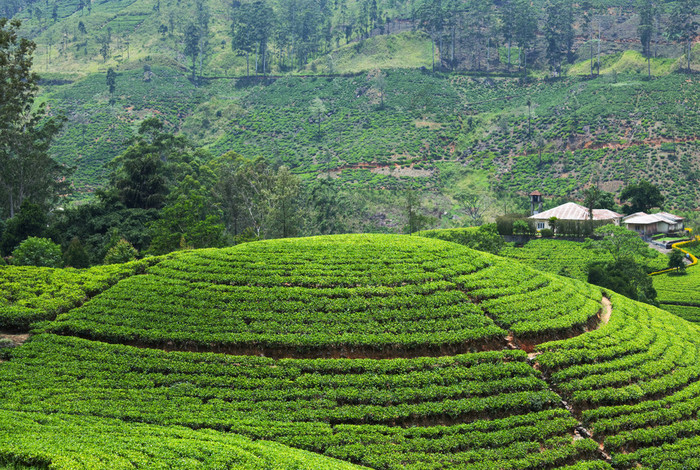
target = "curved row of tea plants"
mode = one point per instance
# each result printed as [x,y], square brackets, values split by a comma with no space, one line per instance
[567,258]
[29,294]
[680,293]
[353,295]
[635,383]
[480,410]
[65,442]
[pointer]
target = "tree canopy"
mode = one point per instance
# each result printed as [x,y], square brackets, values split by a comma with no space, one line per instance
[642,197]
[26,169]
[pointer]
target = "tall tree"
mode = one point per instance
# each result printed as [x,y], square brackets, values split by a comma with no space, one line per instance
[432,19]
[683,27]
[508,18]
[111,83]
[525,29]
[558,33]
[646,28]
[192,37]
[642,196]
[284,215]
[26,169]
[317,109]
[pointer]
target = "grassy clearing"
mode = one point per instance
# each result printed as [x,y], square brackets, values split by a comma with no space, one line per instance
[403,50]
[628,62]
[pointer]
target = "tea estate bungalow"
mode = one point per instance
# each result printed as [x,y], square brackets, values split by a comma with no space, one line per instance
[574,212]
[649,224]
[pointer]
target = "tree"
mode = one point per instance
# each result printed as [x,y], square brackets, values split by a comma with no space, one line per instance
[415,221]
[154,162]
[683,27]
[242,190]
[26,169]
[325,208]
[625,277]
[317,110]
[558,32]
[192,36]
[525,29]
[36,251]
[508,18]
[284,217]
[646,28]
[111,83]
[75,255]
[591,196]
[621,243]
[642,197]
[121,252]
[432,19]
[29,221]
[474,206]
[189,220]
[104,42]
[676,260]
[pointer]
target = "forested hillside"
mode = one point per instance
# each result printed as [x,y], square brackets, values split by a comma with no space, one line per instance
[398,115]
[387,125]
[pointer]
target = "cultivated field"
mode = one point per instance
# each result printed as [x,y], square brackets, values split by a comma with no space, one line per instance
[382,351]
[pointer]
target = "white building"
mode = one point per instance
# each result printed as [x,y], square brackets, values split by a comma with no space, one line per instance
[574,212]
[649,224]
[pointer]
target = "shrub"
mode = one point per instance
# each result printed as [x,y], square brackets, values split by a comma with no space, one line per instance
[676,260]
[36,251]
[75,255]
[547,233]
[122,252]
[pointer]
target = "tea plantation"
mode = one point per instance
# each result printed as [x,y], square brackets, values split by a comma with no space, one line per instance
[423,131]
[380,351]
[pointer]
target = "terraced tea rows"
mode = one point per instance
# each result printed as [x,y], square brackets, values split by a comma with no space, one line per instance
[350,296]
[64,441]
[30,294]
[470,409]
[567,258]
[680,293]
[628,388]
[635,384]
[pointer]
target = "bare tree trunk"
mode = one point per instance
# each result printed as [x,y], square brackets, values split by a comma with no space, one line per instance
[509,55]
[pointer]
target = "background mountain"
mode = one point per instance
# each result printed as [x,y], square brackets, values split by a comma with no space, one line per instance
[243,76]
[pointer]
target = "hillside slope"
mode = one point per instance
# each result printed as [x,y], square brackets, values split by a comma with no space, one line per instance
[430,132]
[386,351]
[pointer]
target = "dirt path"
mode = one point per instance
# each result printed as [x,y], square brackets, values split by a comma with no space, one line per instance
[14,339]
[607,311]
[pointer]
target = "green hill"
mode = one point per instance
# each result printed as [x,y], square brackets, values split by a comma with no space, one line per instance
[384,351]
[413,129]
[432,132]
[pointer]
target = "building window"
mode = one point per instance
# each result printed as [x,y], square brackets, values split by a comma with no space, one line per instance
[540,225]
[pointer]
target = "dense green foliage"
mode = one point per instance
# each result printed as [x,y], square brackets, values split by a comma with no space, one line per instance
[483,238]
[568,258]
[427,126]
[634,381]
[492,408]
[30,294]
[27,171]
[38,252]
[354,294]
[65,442]
[678,293]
